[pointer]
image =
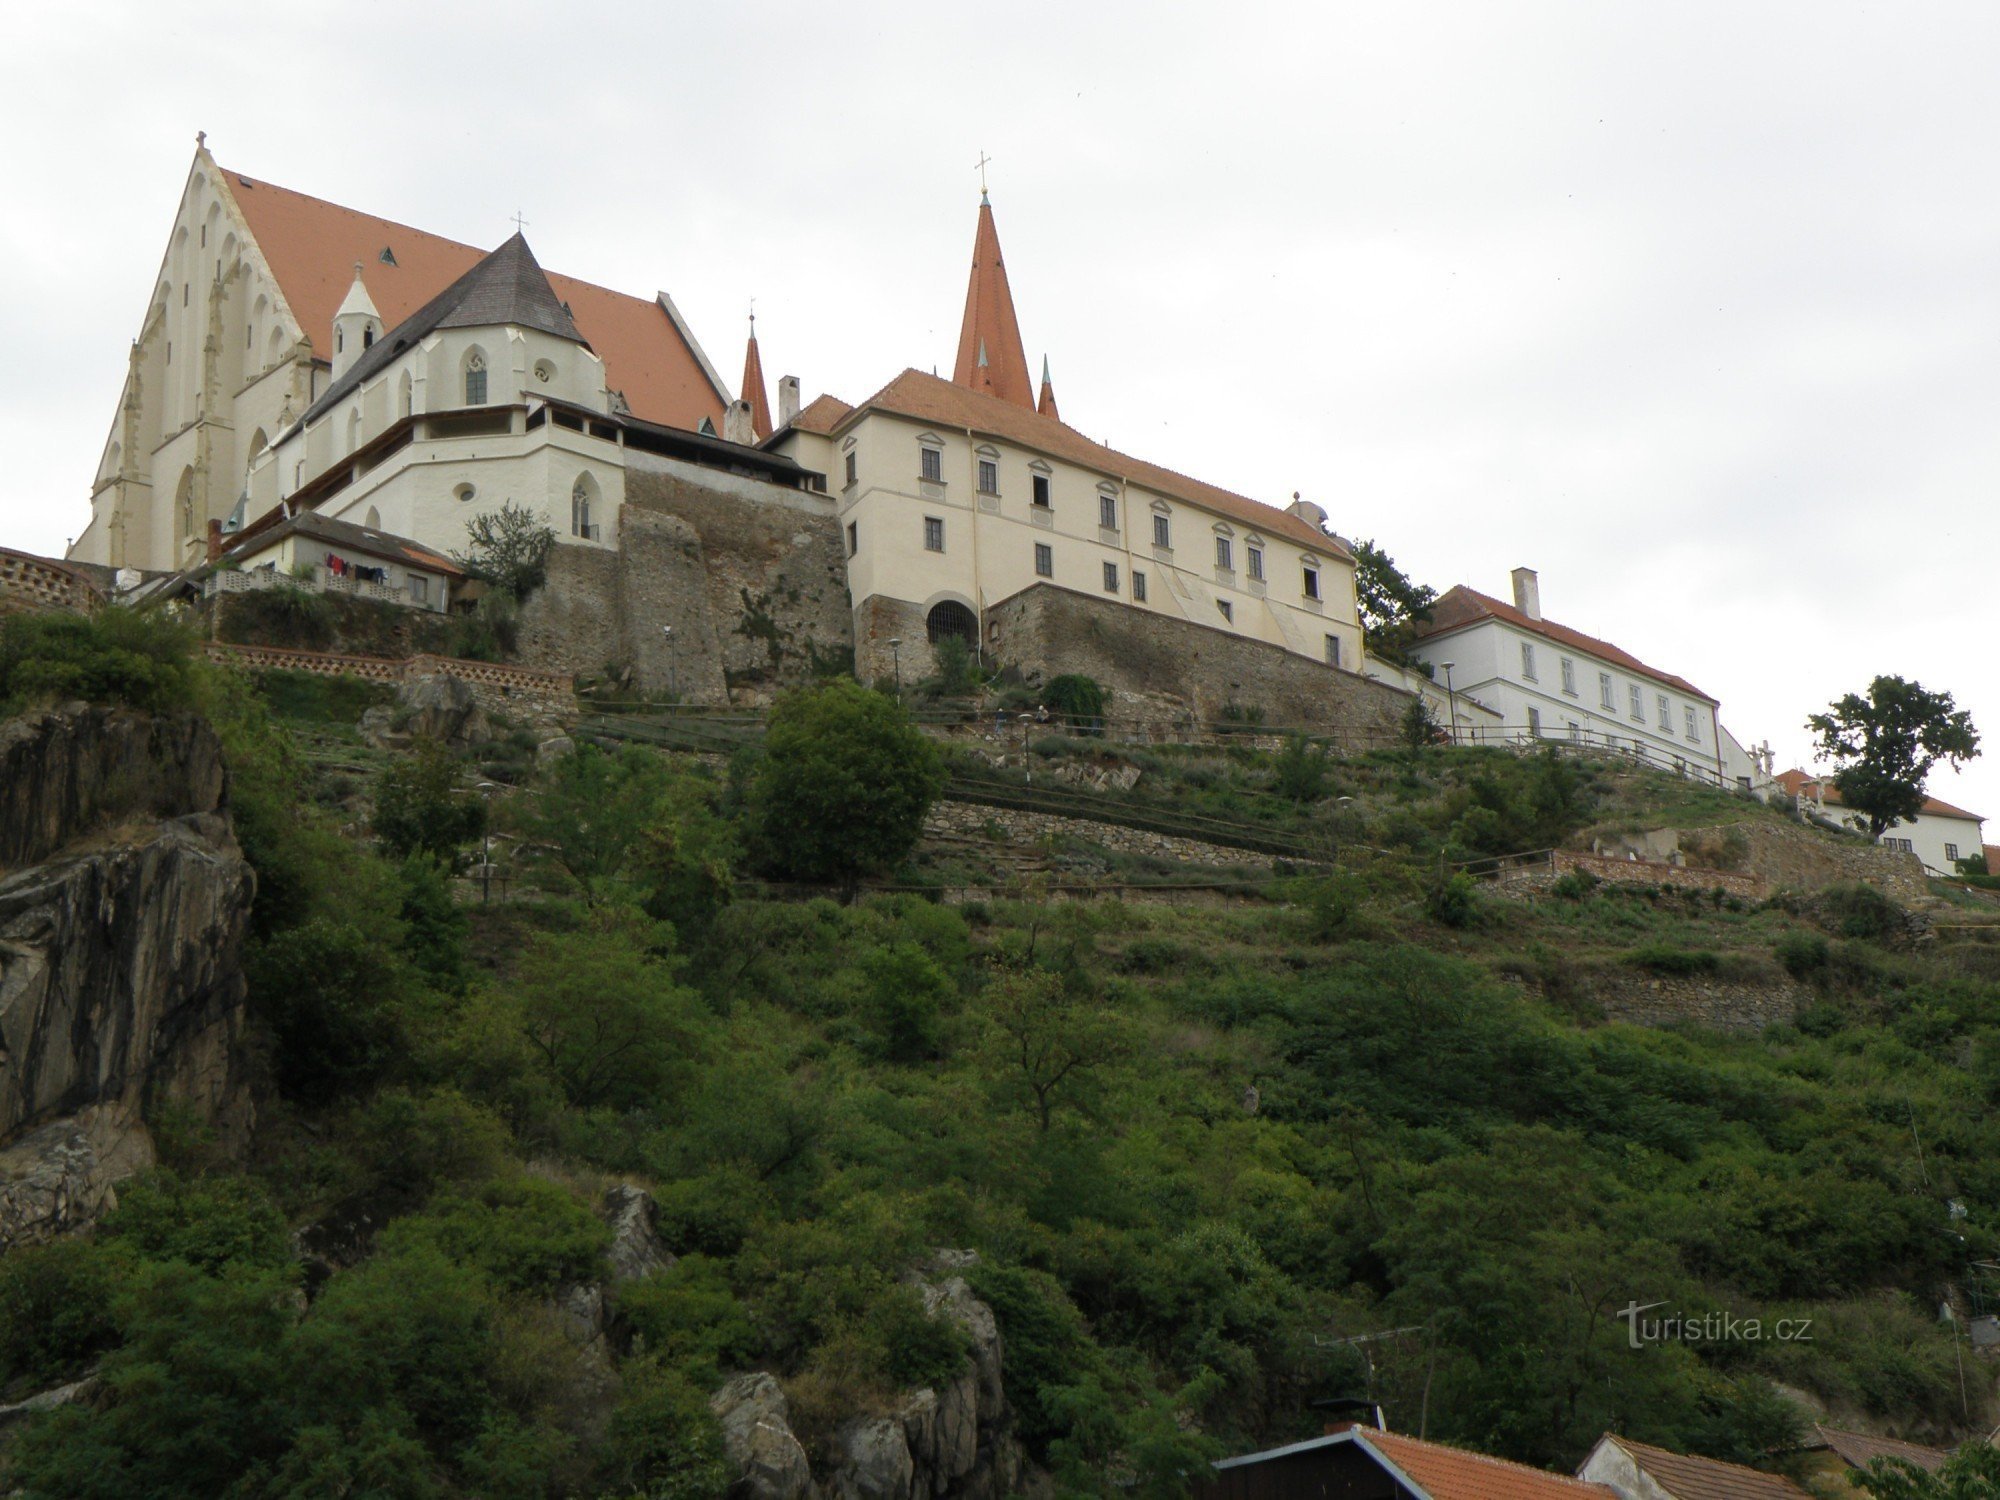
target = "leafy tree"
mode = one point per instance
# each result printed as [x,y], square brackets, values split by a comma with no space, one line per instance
[335,995]
[843,786]
[1050,1041]
[1886,744]
[55,1313]
[509,549]
[1972,1473]
[1391,606]
[592,811]
[607,1017]
[420,807]
[663,1443]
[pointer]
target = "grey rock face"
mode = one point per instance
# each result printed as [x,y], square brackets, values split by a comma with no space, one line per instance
[120,984]
[875,1461]
[769,1461]
[636,1247]
[443,708]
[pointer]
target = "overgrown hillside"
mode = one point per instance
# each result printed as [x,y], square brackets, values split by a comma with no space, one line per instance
[1197,1148]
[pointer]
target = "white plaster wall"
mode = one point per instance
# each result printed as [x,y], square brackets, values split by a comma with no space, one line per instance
[1488,666]
[990,540]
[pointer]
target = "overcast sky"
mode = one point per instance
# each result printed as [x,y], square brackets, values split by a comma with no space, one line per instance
[1693,307]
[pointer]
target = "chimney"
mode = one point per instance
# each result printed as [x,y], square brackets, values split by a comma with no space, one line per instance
[1527,593]
[1307,512]
[788,400]
[214,540]
[738,425]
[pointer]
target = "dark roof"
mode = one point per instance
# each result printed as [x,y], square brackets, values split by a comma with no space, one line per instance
[1460,607]
[1860,1450]
[507,288]
[351,538]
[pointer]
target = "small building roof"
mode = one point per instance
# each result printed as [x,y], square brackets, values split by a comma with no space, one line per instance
[311,246]
[1860,1449]
[1460,608]
[1685,1477]
[506,289]
[1796,781]
[943,403]
[1435,1471]
[347,537]
[821,415]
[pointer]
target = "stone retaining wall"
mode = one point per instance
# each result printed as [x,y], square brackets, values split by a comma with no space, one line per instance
[967,819]
[1788,856]
[28,583]
[1716,1004]
[518,692]
[1655,872]
[1158,669]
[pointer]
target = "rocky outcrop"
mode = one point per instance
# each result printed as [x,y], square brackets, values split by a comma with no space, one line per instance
[440,707]
[955,1442]
[122,915]
[768,1460]
[636,1247]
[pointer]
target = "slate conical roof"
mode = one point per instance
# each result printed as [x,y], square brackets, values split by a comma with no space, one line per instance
[753,387]
[991,358]
[506,288]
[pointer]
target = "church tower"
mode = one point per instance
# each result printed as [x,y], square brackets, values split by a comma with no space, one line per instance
[752,389]
[991,357]
[355,327]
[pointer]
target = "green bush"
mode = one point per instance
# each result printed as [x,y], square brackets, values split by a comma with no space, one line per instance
[662,1442]
[1803,955]
[213,1224]
[334,996]
[1861,911]
[55,1314]
[1454,900]
[1300,771]
[1078,701]
[1575,886]
[421,806]
[115,656]
[1663,958]
[688,1316]
[527,1234]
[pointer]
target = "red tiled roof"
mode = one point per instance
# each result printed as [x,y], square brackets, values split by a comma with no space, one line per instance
[1686,1477]
[312,246]
[821,415]
[1460,607]
[990,355]
[1794,781]
[1454,1474]
[1860,1449]
[928,399]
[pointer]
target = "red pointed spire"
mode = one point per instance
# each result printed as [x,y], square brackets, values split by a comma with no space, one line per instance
[753,386]
[990,355]
[1046,402]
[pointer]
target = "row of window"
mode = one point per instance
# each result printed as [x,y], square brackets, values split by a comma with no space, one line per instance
[1607,695]
[1224,551]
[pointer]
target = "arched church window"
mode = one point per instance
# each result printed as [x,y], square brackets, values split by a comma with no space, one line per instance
[951,621]
[580,495]
[475,379]
[367,334]
[339,340]
[405,400]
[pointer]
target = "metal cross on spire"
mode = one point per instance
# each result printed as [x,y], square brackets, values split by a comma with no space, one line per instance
[519,222]
[981,165]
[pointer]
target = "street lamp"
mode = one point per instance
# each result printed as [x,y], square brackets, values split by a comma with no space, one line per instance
[1027,770]
[486,789]
[673,665]
[1451,698]
[896,656]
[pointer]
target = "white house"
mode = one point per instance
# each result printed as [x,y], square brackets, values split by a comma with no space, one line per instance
[340,557]
[1941,835]
[1549,681]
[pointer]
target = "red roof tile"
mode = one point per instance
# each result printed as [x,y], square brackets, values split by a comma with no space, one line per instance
[312,246]
[1686,1477]
[1454,1474]
[1461,607]
[1860,1449]
[990,355]
[753,388]
[1794,781]
[821,415]
[944,403]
